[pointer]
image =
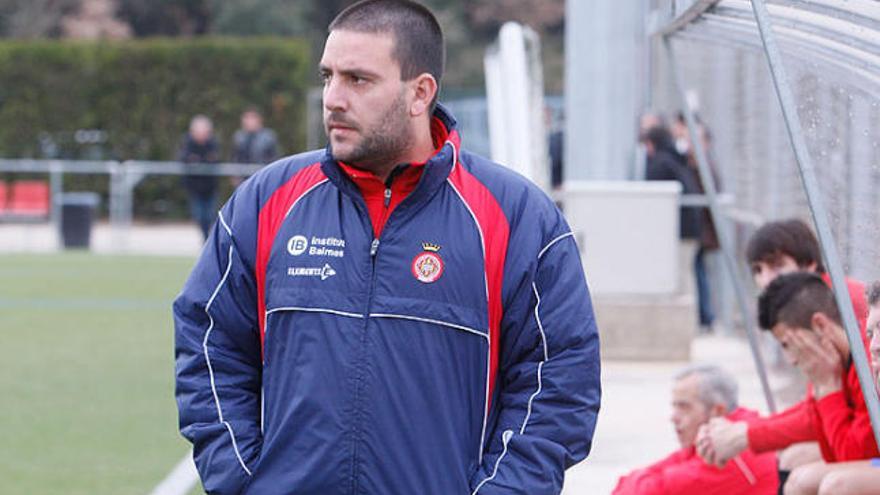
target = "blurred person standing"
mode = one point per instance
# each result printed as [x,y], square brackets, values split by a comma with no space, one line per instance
[254,143]
[707,239]
[199,146]
[666,164]
[709,242]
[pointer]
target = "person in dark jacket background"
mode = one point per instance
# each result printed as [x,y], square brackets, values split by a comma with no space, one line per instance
[254,143]
[665,163]
[199,146]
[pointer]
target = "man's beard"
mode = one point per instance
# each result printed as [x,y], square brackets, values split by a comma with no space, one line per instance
[382,144]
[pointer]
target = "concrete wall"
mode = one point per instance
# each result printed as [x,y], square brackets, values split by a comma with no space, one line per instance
[640,274]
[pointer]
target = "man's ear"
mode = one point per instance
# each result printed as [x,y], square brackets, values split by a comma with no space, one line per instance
[821,324]
[424,89]
[718,411]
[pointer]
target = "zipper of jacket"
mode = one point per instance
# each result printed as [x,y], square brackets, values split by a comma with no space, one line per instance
[374,251]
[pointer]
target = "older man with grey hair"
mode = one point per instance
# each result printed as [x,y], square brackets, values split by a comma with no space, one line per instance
[699,393]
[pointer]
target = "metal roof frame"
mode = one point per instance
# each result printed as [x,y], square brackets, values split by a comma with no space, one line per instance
[842,34]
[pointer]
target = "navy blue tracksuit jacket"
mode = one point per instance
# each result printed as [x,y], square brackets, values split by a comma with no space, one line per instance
[455,354]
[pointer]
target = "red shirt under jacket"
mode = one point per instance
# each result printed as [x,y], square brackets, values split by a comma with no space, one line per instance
[685,473]
[383,197]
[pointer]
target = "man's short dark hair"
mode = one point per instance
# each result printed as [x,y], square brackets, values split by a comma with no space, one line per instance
[793,299]
[872,293]
[785,237]
[418,38]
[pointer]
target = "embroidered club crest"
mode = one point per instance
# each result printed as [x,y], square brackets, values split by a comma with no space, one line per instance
[427,266]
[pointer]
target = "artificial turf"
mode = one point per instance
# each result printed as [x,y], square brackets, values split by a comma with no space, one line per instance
[87,373]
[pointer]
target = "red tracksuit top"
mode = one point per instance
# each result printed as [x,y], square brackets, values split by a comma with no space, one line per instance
[839,422]
[685,473]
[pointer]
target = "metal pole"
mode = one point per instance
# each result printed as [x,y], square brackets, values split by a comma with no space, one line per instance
[820,217]
[723,239]
[56,185]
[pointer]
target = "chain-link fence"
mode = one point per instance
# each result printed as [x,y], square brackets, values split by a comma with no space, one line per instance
[838,100]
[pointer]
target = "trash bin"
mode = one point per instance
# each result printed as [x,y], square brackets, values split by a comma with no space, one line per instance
[77,213]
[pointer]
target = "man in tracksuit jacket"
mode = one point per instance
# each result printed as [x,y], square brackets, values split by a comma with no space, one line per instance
[392,315]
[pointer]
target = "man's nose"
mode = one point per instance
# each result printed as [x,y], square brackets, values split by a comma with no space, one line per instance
[334,96]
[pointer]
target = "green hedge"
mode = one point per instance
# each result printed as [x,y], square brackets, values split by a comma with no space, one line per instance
[143,94]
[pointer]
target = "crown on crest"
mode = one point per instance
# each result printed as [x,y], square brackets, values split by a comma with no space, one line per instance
[427,246]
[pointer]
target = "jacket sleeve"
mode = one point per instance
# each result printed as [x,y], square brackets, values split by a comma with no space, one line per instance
[548,381]
[217,357]
[782,429]
[847,431]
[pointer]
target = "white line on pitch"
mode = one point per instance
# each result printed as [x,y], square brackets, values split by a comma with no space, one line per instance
[180,480]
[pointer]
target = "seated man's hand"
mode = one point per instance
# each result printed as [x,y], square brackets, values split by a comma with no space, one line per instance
[725,439]
[819,360]
[704,445]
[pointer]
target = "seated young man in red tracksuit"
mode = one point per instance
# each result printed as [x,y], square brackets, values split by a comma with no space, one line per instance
[777,248]
[850,477]
[800,310]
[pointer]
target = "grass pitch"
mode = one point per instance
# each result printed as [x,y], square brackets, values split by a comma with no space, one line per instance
[87,373]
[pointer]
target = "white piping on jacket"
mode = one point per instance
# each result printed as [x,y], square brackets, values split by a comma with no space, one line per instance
[750,477]
[540,367]
[429,320]
[205,348]
[505,438]
[315,310]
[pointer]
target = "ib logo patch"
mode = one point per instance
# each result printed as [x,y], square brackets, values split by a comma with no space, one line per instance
[297,245]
